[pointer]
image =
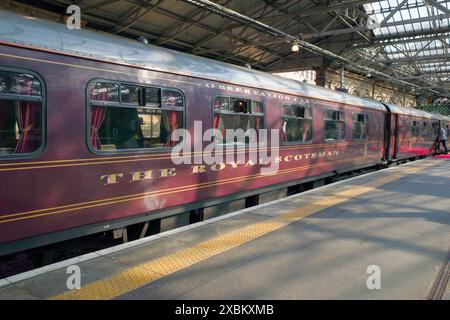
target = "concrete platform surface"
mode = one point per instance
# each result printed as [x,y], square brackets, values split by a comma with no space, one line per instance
[384,235]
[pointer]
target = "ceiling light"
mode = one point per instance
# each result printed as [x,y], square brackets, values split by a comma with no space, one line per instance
[144,40]
[295,47]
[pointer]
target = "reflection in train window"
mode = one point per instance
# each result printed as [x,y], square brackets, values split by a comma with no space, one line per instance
[415,128]
[334,125]
[137,118]
[360,126]
[424,129]
[297,124]
[21,116]
[237,113]
[435,131]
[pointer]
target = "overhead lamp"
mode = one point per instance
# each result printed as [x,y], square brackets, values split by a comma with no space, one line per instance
[144,40]
[295,47]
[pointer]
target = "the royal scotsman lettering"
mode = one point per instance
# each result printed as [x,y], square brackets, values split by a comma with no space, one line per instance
[115,178]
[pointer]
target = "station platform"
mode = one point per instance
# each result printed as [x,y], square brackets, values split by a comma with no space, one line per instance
[320,244]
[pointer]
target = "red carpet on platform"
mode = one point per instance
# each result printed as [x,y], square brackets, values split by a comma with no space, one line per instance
[443,156]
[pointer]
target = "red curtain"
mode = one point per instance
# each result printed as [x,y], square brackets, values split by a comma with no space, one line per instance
[216,121]
[29,113]
[216,125]
[29,141]
[97,117]
[172,117]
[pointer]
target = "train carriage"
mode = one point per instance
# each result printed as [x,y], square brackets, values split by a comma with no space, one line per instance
[414,131]
[87,124]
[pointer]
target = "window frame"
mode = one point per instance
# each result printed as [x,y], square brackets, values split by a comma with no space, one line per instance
[287,143]
[412,126]
[264,115]
[42,99]
[365,114]
[345,126]
[424,127]
[127,105]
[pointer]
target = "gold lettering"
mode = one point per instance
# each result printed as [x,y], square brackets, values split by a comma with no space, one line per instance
[288,158]
[298,157]
[170,172]
[234,164]
[141,175]
[111,178]
[249,163]
[313,155]
[199,168]
[278,159]
[218,166]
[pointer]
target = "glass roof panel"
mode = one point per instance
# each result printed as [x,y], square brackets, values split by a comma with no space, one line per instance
[417,17]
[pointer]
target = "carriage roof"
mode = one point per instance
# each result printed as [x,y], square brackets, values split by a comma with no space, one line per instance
[46,35]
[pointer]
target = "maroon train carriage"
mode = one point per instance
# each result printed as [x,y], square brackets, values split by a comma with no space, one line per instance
[86,121]
[415,131]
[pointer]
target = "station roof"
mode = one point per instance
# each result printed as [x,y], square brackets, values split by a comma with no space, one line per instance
[424,27]
[409,41]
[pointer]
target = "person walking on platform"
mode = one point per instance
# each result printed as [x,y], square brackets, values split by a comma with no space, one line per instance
[443,138]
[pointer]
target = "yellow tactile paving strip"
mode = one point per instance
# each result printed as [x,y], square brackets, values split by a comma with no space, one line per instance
[145,273]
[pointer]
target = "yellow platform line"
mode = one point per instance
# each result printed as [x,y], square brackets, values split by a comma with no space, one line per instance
[135,277]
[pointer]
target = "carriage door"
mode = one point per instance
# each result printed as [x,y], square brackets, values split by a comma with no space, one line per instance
[393,145]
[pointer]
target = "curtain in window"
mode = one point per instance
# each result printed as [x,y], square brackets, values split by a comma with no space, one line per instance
[306,130]
[97,117]
[283,131]
[216,121]
[172,117]
[29,113]
[216,125]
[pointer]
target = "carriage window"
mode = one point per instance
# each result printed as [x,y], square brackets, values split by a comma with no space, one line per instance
[334,125]
[135,118]
[106,92]
[296,124]
[360,126]
[21,100]
[237,113]
[415,129]
[435,129]
[424,130]
[130,94]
